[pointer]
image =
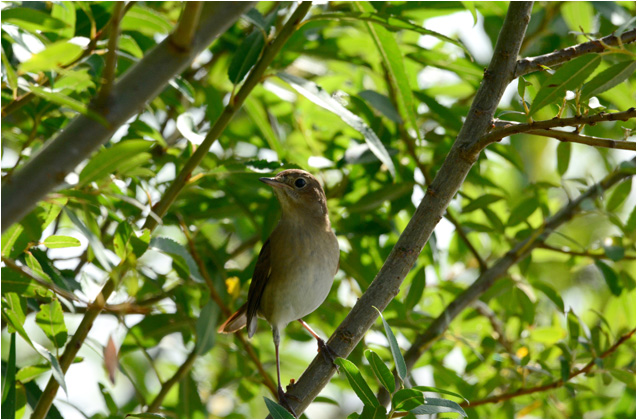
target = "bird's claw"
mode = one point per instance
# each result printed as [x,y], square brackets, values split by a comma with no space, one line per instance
[328,354]
[284,398]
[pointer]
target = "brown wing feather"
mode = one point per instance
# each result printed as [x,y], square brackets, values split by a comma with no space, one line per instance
[257,286]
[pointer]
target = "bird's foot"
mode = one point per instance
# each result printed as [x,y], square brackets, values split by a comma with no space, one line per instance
[284,398]
[328,354]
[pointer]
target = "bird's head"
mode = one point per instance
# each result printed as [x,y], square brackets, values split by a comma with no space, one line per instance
[299,193]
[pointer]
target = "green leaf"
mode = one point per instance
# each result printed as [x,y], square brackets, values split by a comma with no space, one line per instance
[563,157]
[65,11]
[146,21]
[610,276]
[392,57]
[356,381]
[51,320]
[614,252]
[9,384]
[276,410]
[246,56]
[145,416]
[370,412]
[110,160]
[619,195]
[547,335]
[401,367]
[182,260]
[565,369]
[127,43]
[31,20]
[94,242]
[551,294]
[320,97]
[184,87]
[15,282]
[12,78]
[578,16]
[68,102]
[59,241]
[382,372]
[258,114]
[625,376]
[9,238]
[608,79]
[53,57]
[439,391]
[439,405]
[376,198]
[481,202]
[568,77]
[416,289]
[56,369]
[407,399]
[52,208]
[522,211]
[206,327]
[381,103]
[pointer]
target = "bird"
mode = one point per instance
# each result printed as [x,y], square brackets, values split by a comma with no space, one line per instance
[296,266]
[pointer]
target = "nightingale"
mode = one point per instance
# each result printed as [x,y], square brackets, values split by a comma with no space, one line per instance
[296,266]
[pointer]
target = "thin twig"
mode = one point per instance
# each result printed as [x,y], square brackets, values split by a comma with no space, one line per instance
[178,376]
[531,64]
[110,61]
[593,255]
[570,137]
[183,34]
[461,233]
[525,391]
[503,128]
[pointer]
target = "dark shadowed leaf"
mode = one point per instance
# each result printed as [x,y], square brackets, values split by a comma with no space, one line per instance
[610,276]
[206,327]
[407,399]
[246,56]
[609,78]
[619,195]
[439,405]
[563,157]
[276,410]
[401,368]
[381,103]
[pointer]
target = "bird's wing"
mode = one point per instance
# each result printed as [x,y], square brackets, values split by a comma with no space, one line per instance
[257,286]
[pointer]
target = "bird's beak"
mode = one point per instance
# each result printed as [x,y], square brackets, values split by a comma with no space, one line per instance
[273,182]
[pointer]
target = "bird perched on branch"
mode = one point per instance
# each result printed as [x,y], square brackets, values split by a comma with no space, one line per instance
[296,266]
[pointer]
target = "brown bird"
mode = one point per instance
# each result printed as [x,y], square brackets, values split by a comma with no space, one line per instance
[296,266]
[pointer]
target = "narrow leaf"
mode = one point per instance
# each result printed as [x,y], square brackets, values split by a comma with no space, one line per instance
[206,327]
[401,367]
[619,195]
[393,59]
[8,384]
[609,78]
[407,399]
[67,101]
[563,157]
[439,391]
[31,20]
[182,260]
[111,359]
[568,77]
[481,202]
[439,405]
[382,372]
[610,276]
[110,160]
[356,381]
[320,97]
[51,320]
[58,241]
[276,410]
[246,56]
[416,289]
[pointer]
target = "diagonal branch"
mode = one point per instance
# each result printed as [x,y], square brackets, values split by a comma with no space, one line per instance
[145,80]
[183,35]
[529,65]
[110,61]
[499,269]
[526,391]
[571,137]
[447,182]
[508,128]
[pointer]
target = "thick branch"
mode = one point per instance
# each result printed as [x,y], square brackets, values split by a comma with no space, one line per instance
[47,169]
[500,268]
[447,182]
[529,65]
[552,385]
[508,128]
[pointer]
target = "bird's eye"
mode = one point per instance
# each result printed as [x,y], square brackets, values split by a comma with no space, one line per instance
[300,183]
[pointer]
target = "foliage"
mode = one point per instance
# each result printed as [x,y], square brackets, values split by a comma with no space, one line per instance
[366,98]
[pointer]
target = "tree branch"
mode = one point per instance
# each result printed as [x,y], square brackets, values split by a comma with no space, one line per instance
[508,128]
[532,64]
[83,135]
[178,376]
[447,182]
[110,61]
[183,34]
[552,385]
[593,255]
[499,268]
[565,136]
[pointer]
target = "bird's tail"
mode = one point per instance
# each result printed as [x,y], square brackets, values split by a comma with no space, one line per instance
[236,321]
